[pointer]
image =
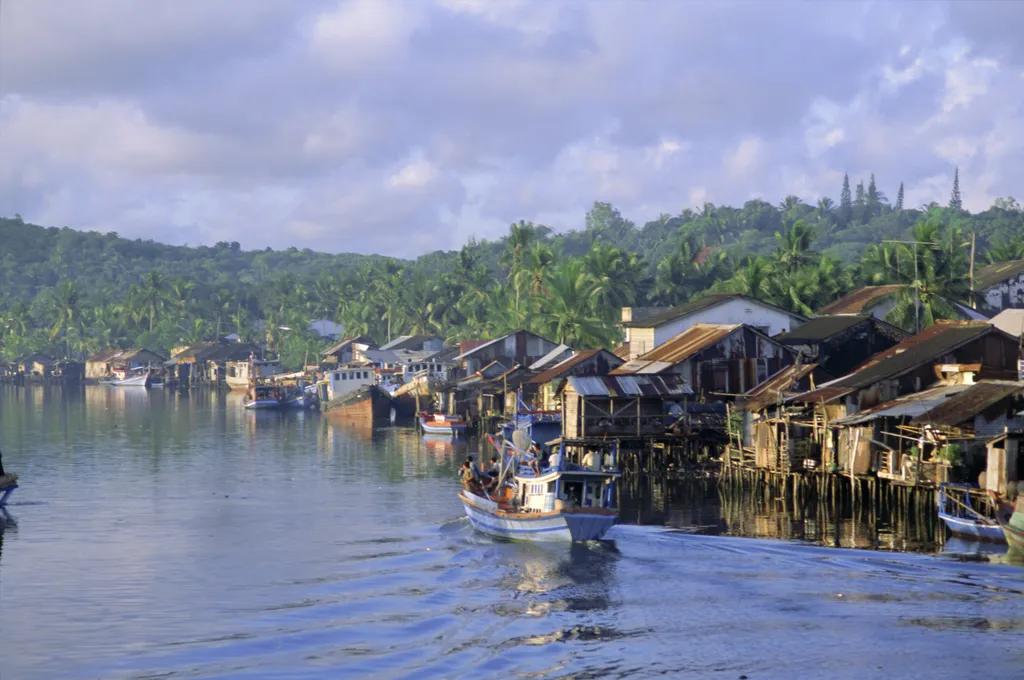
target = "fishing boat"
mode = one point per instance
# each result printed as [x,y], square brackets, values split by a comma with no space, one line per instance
[365,405]
[262,397]
[438,423]
[301,396]
[133,380]
[1012,523]
[571,499]
[969,512]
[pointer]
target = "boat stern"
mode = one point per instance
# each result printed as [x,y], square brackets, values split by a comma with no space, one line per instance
[589,527]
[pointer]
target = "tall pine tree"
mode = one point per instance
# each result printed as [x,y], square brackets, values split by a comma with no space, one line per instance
[954,197]
[899,198]
[860,212]
[845,201]
[874,207]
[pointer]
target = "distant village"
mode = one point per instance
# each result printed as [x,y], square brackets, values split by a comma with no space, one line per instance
[748,384]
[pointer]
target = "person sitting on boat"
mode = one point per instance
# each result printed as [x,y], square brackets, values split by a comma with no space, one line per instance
[466,475]
[534,458]
[478,475]
[592,460]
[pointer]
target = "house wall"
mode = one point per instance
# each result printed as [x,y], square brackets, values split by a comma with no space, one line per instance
[95,370]
[738,363]
[522,348]
[769,321]
[641,341]
[1008,294]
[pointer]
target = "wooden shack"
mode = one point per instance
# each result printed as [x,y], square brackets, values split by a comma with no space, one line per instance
[619,406]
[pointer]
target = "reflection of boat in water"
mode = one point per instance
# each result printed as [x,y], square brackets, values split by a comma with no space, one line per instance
[969,513]
[572,499]
[438,423]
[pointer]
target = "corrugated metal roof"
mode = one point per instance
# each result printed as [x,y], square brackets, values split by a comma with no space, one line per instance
[933,342]
[910,405]
[629,386]
[341,344]
[970,402]
[562,368]
[551,356]
[822,328]
[622,351]
[1009,321]
[680,348]
[856,301]
[992,274]
[822,394]
[777,386]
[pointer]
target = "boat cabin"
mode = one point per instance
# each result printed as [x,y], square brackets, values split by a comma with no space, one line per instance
[581,473]
[340,381]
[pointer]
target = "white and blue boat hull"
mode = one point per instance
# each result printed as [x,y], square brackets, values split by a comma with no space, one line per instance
[578,525]
[442,428]
[262,404]
[967,528]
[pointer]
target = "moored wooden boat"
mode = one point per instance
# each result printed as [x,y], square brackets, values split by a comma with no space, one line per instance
[1012,523]
[438,423]
[566,501]
[139,380]
[264,397]
[364,405]
[969,513]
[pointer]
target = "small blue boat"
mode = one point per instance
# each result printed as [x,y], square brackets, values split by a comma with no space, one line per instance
[957,509]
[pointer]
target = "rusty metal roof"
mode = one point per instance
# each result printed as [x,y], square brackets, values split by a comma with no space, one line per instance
[992,274]
[622,351]
[856,301]
[971,401]
[629,386]
[771,390]
[822,394]
[908,405]
[680,348]
[559,370]
[932,343]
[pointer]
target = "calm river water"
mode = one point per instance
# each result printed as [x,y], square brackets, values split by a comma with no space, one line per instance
[158,535]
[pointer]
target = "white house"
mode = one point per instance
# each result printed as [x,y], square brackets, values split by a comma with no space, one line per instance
[655,329]
[1000,286]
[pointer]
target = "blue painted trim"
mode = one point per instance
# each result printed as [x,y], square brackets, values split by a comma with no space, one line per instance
[516,531]
[7,491]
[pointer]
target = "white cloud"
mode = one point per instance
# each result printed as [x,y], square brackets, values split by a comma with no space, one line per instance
[397,127]
[744,158]
[416,175]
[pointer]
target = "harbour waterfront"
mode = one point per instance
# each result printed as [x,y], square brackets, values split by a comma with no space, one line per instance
[157,533]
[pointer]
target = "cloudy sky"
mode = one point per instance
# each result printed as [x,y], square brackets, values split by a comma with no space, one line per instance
[402,127]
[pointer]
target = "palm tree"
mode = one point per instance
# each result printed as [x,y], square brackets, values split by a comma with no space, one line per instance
[66,313]
[1002,249]
[519,238]
[154,295]
[566,312]
[793,249]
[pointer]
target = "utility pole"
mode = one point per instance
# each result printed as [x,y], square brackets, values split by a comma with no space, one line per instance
[973,303]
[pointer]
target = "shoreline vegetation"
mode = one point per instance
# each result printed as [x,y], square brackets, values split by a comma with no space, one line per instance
[71,293]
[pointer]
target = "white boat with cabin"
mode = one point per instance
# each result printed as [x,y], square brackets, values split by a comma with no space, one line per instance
[572,499]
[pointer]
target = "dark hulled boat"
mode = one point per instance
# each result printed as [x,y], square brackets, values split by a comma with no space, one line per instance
[364,405]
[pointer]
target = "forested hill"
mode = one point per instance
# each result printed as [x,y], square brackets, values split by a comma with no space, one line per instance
[69,292]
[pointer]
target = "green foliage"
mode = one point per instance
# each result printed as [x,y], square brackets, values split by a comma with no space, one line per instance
[72,293]
[951,454]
